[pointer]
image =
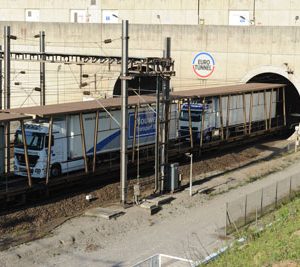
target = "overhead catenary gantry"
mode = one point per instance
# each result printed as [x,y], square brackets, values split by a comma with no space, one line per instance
[138,66]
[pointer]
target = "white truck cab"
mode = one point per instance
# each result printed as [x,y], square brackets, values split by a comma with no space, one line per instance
[37,143]
[197,111]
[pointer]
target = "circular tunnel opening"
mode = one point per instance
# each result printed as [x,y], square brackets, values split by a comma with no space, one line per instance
[292,98]
[143,85]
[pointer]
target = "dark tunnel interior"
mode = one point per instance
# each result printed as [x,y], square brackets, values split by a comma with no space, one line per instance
[292,95]
[143,85]
[146,85]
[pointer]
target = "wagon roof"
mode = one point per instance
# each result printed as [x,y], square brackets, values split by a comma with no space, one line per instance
[7,117]
[113,103]
[225,90]
[82,107]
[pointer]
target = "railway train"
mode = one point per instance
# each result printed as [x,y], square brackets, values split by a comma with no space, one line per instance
[66,147]
[213,110]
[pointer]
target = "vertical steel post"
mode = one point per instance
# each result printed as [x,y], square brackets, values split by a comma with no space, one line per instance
[177,117]
[202,123]
[157,121]
[221,117]
[95,140]
[124,111]
[42,69]
[283,103]
[245,115]
[227,116]
[6,90]
[134,132]
[80,75]
[191,174]
[265,108]
[49,149]
[165,117]
[250,112]
[82,132]
[26,154]
[270,112]
[1,91]
[190,123]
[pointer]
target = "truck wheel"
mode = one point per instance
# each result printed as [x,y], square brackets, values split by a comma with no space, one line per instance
[55,170]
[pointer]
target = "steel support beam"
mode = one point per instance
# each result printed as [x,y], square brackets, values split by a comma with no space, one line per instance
[134,132]
[190,124]
[157,133]
[26,154]
[95,140]
[265,108]
[202,123]
[151,66]
[250,112]
[165,118]
[245,114]
[124,112]
[227,116]
[221,117]
[1,91]
[82,132]
[42,69]
[270,111]
[6,90]
[49,149]
[283,103]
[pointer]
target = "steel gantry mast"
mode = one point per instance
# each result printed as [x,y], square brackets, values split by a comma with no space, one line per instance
[131,67]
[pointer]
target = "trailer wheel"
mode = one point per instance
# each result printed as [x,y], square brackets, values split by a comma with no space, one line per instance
[208,137]
[55,170]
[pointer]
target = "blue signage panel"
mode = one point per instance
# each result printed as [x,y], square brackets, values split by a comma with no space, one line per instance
[145,125]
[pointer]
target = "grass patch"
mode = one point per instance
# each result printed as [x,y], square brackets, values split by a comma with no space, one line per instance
[277,244]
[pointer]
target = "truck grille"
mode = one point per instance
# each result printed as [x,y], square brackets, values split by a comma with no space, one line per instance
[32,159]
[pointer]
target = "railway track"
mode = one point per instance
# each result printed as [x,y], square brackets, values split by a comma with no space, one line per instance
[14,191]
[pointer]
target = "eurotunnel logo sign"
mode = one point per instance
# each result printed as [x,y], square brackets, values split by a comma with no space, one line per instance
[203,65]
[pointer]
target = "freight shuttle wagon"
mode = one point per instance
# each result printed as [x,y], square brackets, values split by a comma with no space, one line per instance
[212,114]
[66,149]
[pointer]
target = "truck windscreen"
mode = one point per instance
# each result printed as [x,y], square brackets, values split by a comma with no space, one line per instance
[34,140]
[195,115]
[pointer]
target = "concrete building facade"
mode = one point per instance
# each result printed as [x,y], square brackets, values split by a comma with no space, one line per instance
[240,54]
[184,12]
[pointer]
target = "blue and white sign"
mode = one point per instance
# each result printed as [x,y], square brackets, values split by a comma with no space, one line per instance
[145,124]
[203,65]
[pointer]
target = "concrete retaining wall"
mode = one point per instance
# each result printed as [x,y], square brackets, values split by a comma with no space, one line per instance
[239,52]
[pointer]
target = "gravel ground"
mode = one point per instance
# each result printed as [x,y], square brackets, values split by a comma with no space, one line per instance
[37,220]
[34,222]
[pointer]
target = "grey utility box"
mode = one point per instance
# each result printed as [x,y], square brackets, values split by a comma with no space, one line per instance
[172,182]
